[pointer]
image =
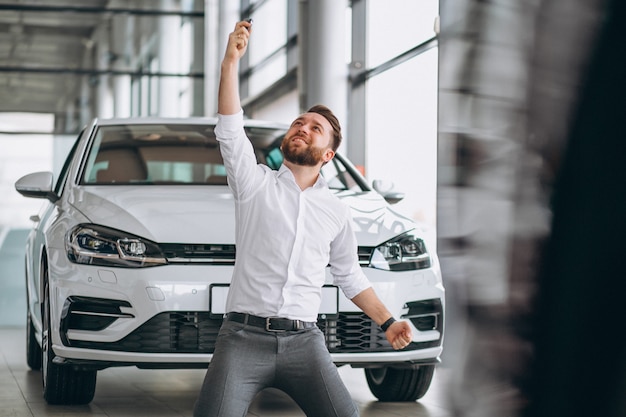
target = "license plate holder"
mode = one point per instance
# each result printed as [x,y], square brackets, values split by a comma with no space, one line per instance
[329,306]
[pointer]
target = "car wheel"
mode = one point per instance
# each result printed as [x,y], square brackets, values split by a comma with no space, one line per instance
[62,384]
[33,350]
[398,384]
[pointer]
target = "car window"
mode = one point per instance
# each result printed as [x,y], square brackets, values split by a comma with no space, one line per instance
[338,177]
[154,154]
[274,158]
[58,188]
[145,154]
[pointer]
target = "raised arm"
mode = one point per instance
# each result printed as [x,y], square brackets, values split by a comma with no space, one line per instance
[228,101]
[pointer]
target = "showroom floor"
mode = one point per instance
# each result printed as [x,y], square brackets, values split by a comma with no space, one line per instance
[125,392]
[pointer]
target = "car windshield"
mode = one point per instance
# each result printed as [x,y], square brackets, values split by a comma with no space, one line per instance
[161,154]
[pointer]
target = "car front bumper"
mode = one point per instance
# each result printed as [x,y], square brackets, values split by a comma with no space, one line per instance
[161,316]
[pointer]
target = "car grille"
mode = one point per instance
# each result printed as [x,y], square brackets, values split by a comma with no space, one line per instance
[199,253]
[365,253]
[224,254]
[353,333]
[196,332]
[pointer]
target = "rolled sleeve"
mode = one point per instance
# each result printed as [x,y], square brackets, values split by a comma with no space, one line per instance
[229,127]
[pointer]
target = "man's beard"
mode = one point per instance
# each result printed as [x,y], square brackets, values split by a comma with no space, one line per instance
[307,156]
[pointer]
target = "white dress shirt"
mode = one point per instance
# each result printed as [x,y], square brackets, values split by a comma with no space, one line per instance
[285,236]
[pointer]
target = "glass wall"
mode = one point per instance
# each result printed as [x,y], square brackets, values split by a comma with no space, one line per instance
[398,118]
[402,133]
[400,110]
[167,64]
[267,53]
[395,27]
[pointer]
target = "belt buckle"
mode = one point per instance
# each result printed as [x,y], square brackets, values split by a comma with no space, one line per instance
[268,326]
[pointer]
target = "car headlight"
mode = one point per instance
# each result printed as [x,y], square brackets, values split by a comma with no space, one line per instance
[98,245]
[402,253]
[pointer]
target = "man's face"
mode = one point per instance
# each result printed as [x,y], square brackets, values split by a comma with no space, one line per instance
[308,140]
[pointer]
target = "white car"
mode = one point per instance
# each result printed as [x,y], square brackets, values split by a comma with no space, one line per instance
[130,260]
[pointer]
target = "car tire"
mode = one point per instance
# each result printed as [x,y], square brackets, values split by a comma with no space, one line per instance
[62,385]
[33,349]
[399,384]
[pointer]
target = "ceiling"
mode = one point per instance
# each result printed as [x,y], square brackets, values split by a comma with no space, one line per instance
[42,45]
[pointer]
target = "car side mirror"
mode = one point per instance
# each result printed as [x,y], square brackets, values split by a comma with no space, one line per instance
[386,189]
[37,185]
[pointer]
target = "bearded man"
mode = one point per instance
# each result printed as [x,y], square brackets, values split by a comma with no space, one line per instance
[290,227]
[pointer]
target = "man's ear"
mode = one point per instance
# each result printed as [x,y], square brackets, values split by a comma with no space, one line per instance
[328,155]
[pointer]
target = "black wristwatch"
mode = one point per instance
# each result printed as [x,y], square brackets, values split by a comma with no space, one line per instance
[388,323]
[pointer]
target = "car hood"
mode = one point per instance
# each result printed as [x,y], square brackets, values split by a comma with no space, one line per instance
[200,214]
[163,214]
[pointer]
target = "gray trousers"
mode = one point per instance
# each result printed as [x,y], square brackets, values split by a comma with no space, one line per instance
[248,359]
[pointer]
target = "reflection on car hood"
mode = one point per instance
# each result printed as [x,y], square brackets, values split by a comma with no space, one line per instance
[198,214]
[375,221]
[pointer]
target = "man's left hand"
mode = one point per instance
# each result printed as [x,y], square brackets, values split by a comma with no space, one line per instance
[399,335]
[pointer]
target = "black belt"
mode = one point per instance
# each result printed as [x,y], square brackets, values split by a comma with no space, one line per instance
[271,324]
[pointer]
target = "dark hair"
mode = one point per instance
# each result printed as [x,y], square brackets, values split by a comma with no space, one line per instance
[332,119]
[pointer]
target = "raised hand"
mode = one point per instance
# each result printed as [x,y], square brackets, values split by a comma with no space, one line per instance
[238,41]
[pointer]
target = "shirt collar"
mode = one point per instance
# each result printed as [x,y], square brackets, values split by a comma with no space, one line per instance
[319,183]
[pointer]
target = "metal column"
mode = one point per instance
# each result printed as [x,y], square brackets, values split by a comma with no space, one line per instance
[122,49]
[323,68]
[169,45]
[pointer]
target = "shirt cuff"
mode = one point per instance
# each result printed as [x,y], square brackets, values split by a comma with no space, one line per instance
[229,125]
[354,289]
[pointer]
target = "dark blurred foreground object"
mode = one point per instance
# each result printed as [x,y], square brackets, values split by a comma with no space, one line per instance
[531,206]
[580,349]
